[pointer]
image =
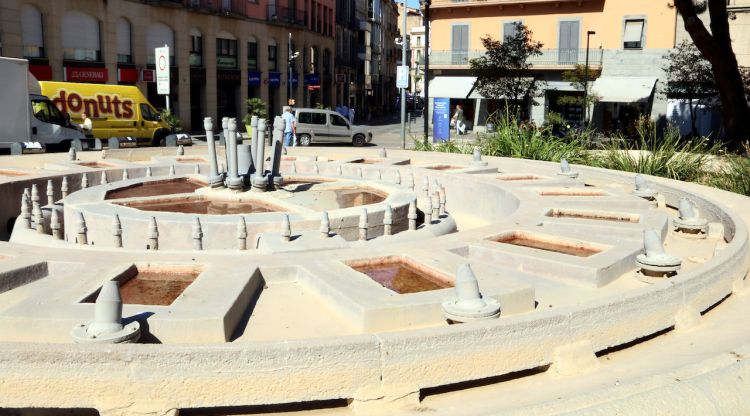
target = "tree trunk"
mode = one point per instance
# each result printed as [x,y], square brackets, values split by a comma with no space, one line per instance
[716,47]
[693,116]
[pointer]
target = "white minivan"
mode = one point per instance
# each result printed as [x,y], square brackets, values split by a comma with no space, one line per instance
[326,126]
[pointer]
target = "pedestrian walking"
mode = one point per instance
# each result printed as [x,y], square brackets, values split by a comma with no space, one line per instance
[290,127]
[351,115]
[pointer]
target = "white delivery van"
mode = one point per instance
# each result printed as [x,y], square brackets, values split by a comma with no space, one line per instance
[28,117]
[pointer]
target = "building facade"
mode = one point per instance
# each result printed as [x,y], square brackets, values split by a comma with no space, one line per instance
[626,40]
[222,52]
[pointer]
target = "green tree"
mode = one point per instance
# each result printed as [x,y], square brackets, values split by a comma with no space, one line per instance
[503,71]
[577,78]
[716,46]
[689,76]
[255,107]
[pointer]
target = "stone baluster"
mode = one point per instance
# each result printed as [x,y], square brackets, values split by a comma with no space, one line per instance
[363,225]
[55,225]
[153,235]
[388,220]
[241,234]
[197,234]
[412,215]
[286,228]
[81,230]
[64,187]
[325,225]
[50,193]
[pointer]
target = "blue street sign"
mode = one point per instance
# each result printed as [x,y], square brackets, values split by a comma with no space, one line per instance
[312,79]
[274,79]
[441,114]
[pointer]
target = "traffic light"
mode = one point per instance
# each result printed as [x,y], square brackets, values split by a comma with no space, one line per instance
[291,101]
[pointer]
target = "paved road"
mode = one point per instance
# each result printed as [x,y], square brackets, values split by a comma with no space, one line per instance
[386,132]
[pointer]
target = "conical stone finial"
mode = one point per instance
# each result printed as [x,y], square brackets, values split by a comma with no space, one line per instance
[55,225]
[50,193]
[103,154]
[64,187]
[477,154]
[104,178]
[435,205]
[180,150]
[26,211]
[107,328]
[688,222]
[412,215]
[197,169]
[469,305]
[388,220]
[383,153]
[34,194]
[363,225]
[397,177]
[286,228]
[428,211]
[410,181]
[197,234]
[148,172]
[72,153]
[642,188]
[565,169]
[378,176]
[339,171]
[442,200]
[241,234]
[125,175]
[426,187]
[325,225]
[84,181]
[117,231]
[81,229]
[153,235]
[171,170]
[655,262]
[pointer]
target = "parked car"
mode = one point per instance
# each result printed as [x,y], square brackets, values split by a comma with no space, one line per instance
[326,126]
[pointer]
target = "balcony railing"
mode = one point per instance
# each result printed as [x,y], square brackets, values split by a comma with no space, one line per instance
[280,14]
[548,58]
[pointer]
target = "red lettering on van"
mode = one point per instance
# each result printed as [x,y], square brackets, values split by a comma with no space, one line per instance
[116,104]
[74,102]
[92,107]
[127,109]
[106,109]
[60,102]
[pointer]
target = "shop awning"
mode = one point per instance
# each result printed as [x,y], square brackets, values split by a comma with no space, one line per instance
[623,89]
[454,87]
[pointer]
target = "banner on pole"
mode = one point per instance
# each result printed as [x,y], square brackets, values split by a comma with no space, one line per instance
[402,76]
[441,119]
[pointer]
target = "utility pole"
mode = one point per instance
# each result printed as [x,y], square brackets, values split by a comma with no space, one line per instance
[289,70]
[403,90]
[426,112]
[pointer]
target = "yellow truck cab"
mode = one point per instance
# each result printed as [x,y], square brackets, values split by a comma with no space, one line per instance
[115,110]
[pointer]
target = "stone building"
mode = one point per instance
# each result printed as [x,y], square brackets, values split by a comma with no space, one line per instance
[626,40]
[222,52]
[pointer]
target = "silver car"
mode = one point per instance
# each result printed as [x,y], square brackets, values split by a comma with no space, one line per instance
[326,126]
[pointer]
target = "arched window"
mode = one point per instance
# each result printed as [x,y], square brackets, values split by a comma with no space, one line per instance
[32,35]
[80,37]
[226,50]
[158,35]
[272,56]
[196,47]
[124,50]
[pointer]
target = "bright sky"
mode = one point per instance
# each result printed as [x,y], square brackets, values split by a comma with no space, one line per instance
[412,3]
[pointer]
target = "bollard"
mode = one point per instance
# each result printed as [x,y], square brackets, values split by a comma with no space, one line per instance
[388,220]
[197,169]
[363,225]
[286,228]
[82,230]
[397,177]
[214,178]
[428,212]
[148,171]
[410,181]
[103,180]
[241,234]
[84,181]
[64,187]
[153,235]
[655,262]
[412,215]
[72,153]
[172,170]
[382,153]
[55,225]
[180,150]
[233,180]
[565,170]
[426,187]
[50,193]
[197,234]
[260,181]
[325,225]
[117,231]
[125,175]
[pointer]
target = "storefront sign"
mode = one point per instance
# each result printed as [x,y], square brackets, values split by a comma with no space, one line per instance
[85,74]
[128,75]
[253,78]
[41,72]
[228,76]
[274,79]
[226,62]
[148,75]
[312,79]
[295,79]
[441,119]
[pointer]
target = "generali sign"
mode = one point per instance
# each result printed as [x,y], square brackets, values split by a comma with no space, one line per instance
[85,74]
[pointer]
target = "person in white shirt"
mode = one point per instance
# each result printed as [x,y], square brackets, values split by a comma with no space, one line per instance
[87,125]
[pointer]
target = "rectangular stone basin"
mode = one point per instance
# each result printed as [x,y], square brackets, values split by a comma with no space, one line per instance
[7,172]
[200,205]
[520,178]
[593,215]
[156,188]
[571,192]
[445,167]
[152,285]
[97,164]
[191,160]
[548,243]
[401,275]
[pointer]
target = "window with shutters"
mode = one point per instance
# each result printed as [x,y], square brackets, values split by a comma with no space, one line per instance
[460,45]
[80,37]
[196,48]
[252,55]
[510,29]
[272,64]
[633,36]
[568,42]
[32,35]
[124,52]
[158,35]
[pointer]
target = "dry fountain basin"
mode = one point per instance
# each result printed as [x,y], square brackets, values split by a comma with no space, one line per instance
[345,315]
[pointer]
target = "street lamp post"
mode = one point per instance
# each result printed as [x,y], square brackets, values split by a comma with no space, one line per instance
[426,112]
[586,80]
[290,62]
